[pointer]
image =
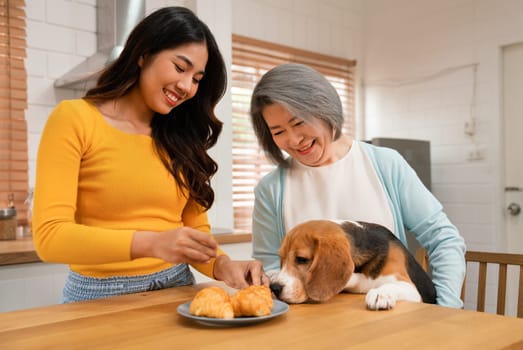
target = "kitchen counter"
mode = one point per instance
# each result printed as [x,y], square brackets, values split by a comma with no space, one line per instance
[18,251]
[150,321]
[22,250]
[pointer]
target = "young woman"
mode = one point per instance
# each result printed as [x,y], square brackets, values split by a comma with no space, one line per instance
[327,175]
[123,174]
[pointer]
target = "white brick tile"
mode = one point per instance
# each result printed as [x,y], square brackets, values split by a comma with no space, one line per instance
[35,10]
[330,14]
[85,43]
[283,4]
[50,37]
[469,214]
[299,26]
[312,34]
[59,64]
[463,194]
[323,37]
[458,95]
[71,15]
[471,173]
[36,62]
[476,235]
[39,91]
[33,140]
[309,8]
[90,2]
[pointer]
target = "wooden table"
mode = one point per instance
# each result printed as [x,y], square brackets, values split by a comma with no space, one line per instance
[150,321]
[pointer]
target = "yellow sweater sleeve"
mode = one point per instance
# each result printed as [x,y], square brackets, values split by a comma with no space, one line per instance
[95,186]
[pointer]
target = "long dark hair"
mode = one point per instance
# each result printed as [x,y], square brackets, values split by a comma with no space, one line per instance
[183,137]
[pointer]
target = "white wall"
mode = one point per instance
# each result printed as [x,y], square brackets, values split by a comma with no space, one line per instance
[217,15]
[419,60]
[331,27]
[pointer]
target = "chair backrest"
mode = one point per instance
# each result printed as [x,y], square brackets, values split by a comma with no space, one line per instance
[502,260]
[422,258]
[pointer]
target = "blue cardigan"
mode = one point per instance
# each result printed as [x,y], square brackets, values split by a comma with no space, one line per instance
[414,209]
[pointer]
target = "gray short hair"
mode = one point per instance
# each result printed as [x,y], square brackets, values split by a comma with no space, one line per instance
[304,92]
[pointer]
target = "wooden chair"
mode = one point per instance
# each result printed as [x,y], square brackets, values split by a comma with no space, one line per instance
[422,258]
[502,260]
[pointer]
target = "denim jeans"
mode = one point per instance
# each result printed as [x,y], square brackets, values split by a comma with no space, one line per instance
[78,287]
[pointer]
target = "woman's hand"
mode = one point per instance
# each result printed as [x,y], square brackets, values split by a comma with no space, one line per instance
[181,245]
[239,274]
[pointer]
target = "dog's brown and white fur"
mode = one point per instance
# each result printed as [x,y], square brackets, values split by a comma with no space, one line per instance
[321,258]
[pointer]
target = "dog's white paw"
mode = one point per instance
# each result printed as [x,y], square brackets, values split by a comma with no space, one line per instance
[380,299]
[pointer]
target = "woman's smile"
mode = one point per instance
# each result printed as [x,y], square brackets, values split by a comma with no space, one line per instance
[307,149]
[171,97]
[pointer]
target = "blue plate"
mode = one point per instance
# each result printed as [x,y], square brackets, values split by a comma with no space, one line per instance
[278,308]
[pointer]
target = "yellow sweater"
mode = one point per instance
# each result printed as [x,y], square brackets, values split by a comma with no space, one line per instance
[95,186]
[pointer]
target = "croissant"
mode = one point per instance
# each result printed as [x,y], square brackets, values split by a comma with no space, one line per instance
[212,302]
[252,301]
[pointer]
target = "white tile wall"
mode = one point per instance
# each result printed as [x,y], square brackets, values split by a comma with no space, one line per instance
[418,83]
[331,27]
[217,15]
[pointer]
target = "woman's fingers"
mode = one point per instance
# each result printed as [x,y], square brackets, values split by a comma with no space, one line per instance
[257,275]
[202,243]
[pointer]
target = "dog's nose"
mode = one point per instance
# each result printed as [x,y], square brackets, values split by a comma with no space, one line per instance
[276,289]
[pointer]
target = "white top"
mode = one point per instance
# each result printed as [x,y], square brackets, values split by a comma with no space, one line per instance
[321,192]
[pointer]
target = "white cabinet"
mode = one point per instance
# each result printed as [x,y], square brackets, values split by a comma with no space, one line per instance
[24,286]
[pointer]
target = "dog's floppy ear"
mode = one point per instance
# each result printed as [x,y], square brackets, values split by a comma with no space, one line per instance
[330,269]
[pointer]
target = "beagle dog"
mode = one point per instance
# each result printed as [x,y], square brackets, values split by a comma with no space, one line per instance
[321,258]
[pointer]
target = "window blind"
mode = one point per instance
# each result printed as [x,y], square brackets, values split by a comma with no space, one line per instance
[13,103]
[251,58]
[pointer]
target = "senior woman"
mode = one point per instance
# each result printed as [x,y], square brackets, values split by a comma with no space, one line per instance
[321,173]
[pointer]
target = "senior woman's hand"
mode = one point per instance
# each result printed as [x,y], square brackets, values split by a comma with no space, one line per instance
[239,273]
